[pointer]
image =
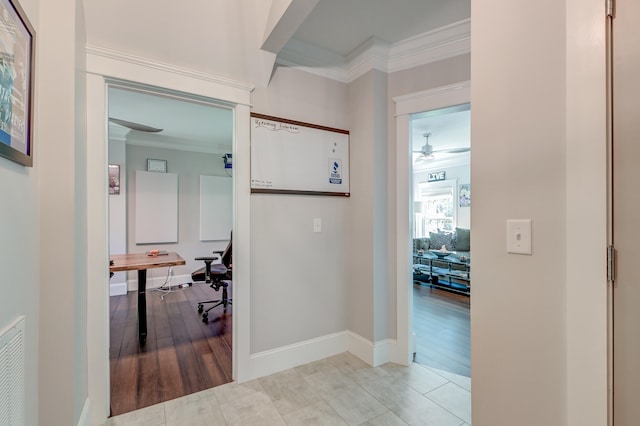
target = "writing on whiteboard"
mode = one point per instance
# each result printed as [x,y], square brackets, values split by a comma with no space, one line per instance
[259,183]
[273,126]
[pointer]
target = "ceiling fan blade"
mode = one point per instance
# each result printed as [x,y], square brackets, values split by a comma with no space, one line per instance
[453,150]
[134,126]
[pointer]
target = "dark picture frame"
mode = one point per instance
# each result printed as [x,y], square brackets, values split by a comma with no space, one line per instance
[17,55]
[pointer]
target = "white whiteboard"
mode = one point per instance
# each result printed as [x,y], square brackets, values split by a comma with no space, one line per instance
[215,208]
[293,157]
[156,207]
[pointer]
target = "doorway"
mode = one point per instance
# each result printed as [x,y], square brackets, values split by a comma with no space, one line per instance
[235,96]
[406,107]
[190,139]
[441,201]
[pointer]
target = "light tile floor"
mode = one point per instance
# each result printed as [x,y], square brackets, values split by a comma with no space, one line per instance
[340,390]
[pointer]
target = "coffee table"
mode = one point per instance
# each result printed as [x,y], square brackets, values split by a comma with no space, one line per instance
[449,272]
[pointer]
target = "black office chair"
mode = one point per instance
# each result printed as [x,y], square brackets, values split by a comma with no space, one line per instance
[215,275]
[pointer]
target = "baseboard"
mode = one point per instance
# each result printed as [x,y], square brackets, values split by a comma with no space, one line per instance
[117,289]
[85,416]
[374,354]
[272,361]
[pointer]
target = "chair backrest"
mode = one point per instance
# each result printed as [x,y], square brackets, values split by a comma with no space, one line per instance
[226,254]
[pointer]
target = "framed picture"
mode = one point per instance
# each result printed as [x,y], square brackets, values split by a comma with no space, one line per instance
[17,41]
[156,165]
[464,195]
[114,179]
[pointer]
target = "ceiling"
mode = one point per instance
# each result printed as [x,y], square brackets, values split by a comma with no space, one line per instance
[336,26]
[187,124]
[341,26]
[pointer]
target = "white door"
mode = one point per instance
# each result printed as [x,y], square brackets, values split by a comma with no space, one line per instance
[626,213]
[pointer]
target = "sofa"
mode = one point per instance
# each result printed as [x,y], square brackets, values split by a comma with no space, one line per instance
[459,242]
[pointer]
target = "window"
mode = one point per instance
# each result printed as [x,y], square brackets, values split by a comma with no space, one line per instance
[435,208]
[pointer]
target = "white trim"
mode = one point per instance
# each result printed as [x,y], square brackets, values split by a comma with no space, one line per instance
[97,250]
[361,347]
[104,67]
[94,52]
[121,66]
[374,354]
[372,54]
[413,103]
[118,289]
[279,359]
[440,97]
[85,415]
[442,43]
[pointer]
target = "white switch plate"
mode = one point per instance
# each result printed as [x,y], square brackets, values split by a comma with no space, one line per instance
[317,224]
[519,236]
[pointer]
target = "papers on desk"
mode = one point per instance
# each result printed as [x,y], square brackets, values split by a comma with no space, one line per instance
[157,253]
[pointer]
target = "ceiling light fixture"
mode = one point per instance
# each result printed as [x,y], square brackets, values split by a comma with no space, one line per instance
[426,152]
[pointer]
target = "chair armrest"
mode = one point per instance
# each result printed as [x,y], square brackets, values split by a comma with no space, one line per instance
[206,258]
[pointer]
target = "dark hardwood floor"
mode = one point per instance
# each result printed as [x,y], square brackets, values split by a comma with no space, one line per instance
[442,325]
[182,354]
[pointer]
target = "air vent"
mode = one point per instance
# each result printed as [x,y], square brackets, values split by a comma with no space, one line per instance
[12,374]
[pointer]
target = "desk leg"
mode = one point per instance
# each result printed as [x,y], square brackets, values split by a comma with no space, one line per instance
[142,306]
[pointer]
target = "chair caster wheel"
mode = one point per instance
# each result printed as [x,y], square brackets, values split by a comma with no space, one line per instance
[205,318]
[200,308]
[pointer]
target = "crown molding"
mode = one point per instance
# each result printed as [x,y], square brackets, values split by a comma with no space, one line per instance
[121,56]
[446,42]
[442,43]
[371,55]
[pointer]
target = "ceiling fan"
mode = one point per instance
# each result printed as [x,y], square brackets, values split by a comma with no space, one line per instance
[135,126]
[427,152]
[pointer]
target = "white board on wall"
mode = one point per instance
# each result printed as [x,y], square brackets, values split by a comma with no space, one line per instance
[156,207]
[216,197]
[299,158]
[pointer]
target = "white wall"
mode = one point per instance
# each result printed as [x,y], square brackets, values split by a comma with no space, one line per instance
[518,130]
[188,166]
[510,338]
[60,155]
[231,32]
[299,278]
[19,252]
[361,236]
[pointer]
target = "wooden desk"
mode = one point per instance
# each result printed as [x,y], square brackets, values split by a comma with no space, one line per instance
[141,262]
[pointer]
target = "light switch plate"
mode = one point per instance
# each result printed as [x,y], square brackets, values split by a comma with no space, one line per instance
[317,224]
[519,236]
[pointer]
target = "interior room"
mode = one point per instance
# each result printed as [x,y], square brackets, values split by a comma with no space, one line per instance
[334,304]
[441,199]
[171,191]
